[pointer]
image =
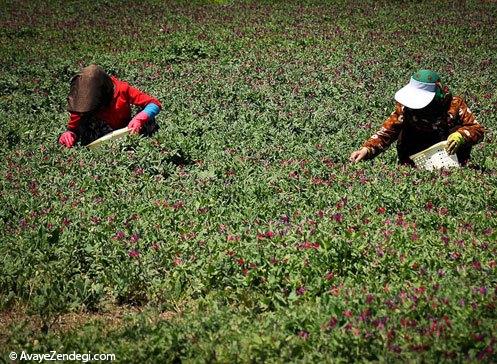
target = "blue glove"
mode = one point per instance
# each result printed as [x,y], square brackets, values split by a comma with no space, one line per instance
[151,110]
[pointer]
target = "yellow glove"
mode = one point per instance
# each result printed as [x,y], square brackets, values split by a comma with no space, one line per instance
[454,142]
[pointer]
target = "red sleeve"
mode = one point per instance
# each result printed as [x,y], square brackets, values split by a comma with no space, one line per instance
[74,121]
[139,98]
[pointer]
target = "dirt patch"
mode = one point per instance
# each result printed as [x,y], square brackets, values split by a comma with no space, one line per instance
[112,318]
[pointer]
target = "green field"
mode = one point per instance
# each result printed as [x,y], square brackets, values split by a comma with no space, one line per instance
[240,232]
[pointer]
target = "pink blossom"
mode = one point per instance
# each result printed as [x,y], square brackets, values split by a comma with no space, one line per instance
[133,253]
[332,323]
[476,265]
[301,290]
[394,348]
[348,313]
[455,255]
[96,220]
[478,337]
[329,276]
[178,205]
[308,245]
[266,235]
[365,314]
[488,231]
[304,334]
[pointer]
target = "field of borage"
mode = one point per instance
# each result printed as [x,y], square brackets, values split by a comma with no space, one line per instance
[239,233]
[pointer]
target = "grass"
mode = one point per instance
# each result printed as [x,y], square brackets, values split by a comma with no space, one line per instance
[240,233]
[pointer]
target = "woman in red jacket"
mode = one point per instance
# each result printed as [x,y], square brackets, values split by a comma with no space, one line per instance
[99,103]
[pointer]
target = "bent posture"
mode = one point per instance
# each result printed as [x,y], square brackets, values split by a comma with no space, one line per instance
[425,114]
[99,104]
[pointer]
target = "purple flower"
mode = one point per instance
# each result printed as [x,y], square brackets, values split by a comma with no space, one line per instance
[134,253]
[379,252]
[285,219]
[365,315]
[134,238]
[119,235]
[332,323]
[369,298]
[478,337]
[301,290]
[304,334]
[381,322]
[96,220]
[394,348]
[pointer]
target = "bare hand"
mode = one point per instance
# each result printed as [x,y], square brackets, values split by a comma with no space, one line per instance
[358,155]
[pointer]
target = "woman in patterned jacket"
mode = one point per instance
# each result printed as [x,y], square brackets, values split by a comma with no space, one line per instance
[425,114]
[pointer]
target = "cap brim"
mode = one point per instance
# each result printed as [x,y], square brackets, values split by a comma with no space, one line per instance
[413,97]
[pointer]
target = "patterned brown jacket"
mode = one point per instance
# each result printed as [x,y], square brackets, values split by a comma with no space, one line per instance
[415,131]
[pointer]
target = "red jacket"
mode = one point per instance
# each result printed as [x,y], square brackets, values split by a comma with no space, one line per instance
[118,113]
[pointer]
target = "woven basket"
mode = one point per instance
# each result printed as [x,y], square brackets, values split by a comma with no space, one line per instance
[435,157]
[116,134]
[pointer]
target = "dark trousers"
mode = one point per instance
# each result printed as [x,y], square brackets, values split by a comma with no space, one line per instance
[411,142]
[93,128]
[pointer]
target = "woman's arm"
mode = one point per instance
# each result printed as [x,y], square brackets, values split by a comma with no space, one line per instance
[388,133]
[69,137]
[139,98]
[469,128]
[151,107]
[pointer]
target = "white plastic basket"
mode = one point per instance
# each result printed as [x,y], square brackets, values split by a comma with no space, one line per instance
[435,157]
[116,134]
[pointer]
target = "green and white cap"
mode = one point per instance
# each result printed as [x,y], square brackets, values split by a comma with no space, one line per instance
[420,90]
